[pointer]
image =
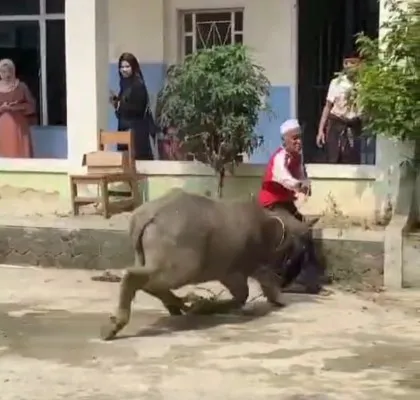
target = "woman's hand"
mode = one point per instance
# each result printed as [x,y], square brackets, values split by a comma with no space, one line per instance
[113,99]
[13,106]
[5,107]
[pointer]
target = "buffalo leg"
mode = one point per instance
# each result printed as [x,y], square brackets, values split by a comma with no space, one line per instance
[175,305]
[133,280]
[270,285]
[237,284]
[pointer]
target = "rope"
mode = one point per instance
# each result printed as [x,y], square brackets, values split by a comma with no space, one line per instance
[283,231]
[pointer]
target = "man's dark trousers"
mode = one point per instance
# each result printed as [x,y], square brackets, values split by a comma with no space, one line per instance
[301,271]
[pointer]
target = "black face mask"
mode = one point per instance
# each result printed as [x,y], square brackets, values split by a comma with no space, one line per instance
[350,73]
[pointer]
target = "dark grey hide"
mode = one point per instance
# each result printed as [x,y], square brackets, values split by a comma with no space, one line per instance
[182,238]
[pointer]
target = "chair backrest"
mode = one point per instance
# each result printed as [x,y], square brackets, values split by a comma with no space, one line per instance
[106,138]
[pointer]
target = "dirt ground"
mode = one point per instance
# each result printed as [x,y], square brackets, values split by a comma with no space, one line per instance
[336,347]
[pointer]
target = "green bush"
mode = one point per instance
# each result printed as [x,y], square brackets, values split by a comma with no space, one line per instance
[388,82]
[214,98]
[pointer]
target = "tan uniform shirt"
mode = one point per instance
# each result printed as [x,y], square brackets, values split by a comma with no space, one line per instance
[338,94]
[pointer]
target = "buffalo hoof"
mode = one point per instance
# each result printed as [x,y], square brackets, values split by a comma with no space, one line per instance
[298,288]
[174,311]
[214,306]
[277,304]
[110,330]
[202,307]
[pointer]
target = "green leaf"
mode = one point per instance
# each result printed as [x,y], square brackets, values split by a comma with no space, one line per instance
[215,98]
[388,82]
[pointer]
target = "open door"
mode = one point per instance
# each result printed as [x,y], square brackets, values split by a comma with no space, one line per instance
[326,31]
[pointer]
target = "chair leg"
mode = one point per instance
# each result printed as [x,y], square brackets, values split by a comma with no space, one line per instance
[135,193]
[73,195]
[105,198]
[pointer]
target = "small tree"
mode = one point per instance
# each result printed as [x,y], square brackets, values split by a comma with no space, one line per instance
[214,99]
[388,84]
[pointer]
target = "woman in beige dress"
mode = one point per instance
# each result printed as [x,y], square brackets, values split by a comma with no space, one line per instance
[17,112]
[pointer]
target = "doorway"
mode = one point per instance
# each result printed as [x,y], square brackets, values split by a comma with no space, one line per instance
[326,32]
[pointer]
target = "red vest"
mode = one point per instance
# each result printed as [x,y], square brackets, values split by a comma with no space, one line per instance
[273,192]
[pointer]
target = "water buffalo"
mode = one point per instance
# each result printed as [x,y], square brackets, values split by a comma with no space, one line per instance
[182,238]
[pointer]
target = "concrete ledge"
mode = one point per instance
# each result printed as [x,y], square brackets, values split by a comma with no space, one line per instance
[411,260]
[353,263]
[85,222]
[315,171]
[352,235]
[353,257]
[393,262]
[191,168]
[40,165]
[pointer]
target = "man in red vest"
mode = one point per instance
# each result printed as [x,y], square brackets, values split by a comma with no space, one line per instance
[284,179]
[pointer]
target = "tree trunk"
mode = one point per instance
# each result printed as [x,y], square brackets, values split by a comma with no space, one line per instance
[416,191]
[408,195]
[221,183]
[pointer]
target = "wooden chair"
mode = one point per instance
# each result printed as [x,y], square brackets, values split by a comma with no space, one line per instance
[131,177]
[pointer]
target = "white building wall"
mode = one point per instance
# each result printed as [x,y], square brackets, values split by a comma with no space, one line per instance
[269,29]
[151,30]
[87,92]
[136,26]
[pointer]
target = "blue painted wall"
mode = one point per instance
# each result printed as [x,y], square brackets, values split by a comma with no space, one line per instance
[51,141]
[268,126]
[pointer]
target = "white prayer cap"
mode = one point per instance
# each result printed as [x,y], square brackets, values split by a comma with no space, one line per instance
[289,125]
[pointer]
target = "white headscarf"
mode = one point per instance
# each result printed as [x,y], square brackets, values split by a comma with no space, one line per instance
[10,85]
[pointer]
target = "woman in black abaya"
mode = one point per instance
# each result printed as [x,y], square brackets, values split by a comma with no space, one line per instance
[132,107]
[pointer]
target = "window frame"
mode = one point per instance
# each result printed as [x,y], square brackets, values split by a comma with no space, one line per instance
[42,19]
[181,26]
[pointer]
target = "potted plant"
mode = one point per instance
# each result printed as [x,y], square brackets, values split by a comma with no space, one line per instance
[214,99]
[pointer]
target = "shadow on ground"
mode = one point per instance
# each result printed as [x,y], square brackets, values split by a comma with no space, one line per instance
[41,332]
[254,310]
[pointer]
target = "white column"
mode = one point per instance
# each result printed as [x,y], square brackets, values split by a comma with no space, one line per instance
[87,76]
[389,152]
[384,15]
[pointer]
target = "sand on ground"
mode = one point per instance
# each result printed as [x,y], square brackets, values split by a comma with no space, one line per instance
[338,347]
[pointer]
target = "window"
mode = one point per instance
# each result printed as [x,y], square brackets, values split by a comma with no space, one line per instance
[204,29]
[56,72]
[54,6]
[19,41]
[32,34]
[19,7]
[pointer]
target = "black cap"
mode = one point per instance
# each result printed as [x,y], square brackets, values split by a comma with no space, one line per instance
[351,54]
